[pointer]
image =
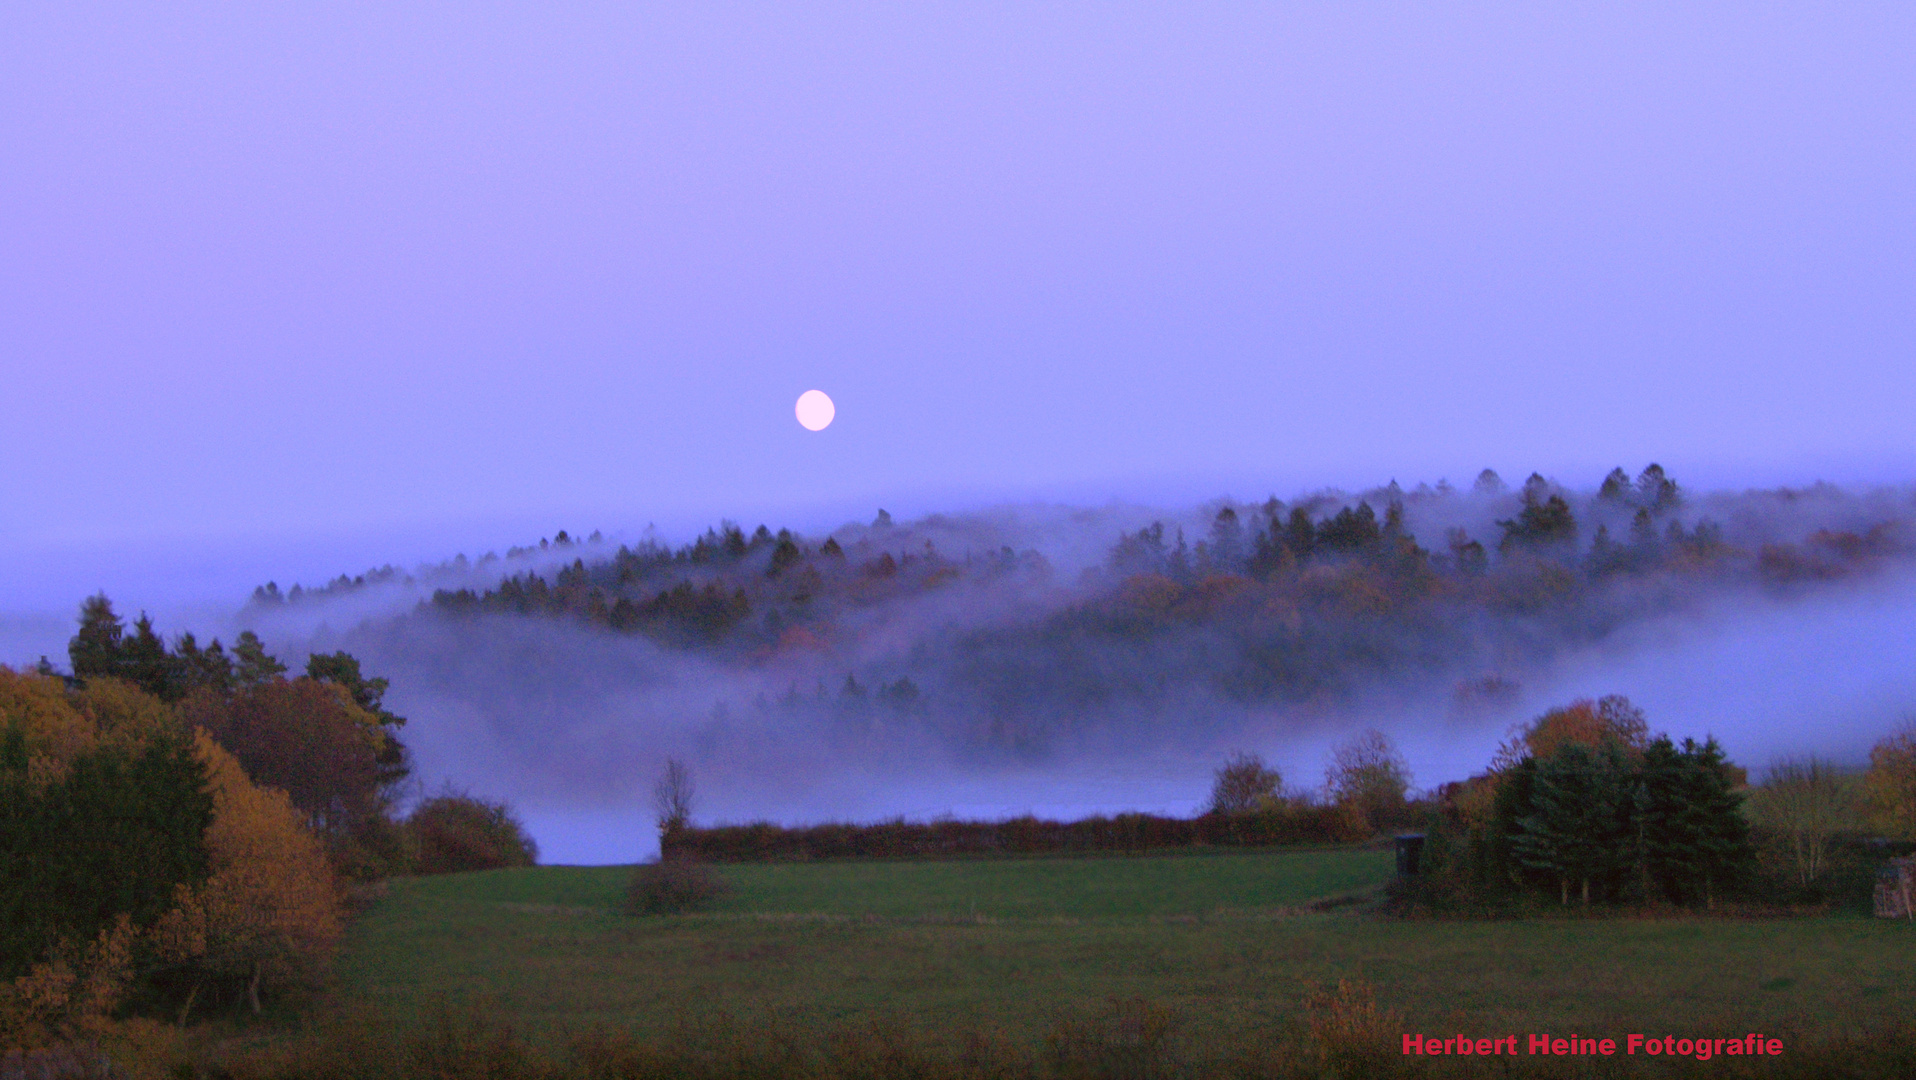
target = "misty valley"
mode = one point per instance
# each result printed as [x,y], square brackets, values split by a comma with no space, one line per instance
[1040,634]
[899,793]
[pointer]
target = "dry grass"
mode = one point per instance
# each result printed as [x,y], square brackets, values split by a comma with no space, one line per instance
[831,991]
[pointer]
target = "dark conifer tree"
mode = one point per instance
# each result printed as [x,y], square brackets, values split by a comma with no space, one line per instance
[1300,535]
[1656,491]
[115,836]
[96,650]
[784,554]
[252,664]
[1543,523]
[1606,555]
[1227,541]
[145,662]
[1578,823]
[208,668]
[1715,830]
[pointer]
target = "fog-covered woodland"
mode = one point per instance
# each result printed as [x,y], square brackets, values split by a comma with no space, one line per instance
[1028,633]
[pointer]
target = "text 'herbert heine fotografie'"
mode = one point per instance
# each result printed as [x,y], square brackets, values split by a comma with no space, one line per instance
[1703,1049]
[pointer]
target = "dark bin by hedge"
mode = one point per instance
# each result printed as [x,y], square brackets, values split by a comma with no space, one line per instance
[1410,848]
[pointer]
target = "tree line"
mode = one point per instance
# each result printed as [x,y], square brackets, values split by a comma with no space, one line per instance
[178,822]
[1276,602]
[1583,805]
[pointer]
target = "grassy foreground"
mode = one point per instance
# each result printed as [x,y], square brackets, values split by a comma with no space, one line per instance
[1221,942]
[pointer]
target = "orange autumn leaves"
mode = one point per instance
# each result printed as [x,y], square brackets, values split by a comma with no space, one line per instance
[270,909]
[267,913]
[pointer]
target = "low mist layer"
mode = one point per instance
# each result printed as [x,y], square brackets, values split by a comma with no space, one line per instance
[1066,661]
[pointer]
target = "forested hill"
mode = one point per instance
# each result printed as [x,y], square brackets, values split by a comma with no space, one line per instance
[1299,601]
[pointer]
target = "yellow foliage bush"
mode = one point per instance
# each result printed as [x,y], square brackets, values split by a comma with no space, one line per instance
[268,916]
[270,912]
[55,732]
[1349,1034]
[72,995]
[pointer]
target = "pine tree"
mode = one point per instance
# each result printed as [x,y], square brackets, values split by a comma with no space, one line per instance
[112,836]
[1660,847]
[1227,540]
[253,665]
[1722,835]
[1579,817]
[1300,535]
[145,662]
[95,650]
[1542,521]
[210,667]
[1656,491]
[1692,842]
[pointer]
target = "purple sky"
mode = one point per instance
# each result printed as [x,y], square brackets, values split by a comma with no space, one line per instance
[276,271]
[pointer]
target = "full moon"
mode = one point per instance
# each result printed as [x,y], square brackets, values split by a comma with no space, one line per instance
[815,410]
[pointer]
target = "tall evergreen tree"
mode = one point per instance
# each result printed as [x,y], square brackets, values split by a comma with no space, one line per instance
[1719,834]
[1299,534]
[209,667]
[95,650]
[1579,819]
[113,836]
[252,664]
[1615,487]
[1545,521]
[1656,491]
[145,662]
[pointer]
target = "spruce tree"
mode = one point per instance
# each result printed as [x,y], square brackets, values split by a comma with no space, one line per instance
[1692,842]
[145,662]
[113,836]
[1578,822]
[252,664]
[1661,846]
[95,650]
[1721,834]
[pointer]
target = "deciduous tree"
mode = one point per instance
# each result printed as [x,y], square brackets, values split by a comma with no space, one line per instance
[1243,784]
[1891,783]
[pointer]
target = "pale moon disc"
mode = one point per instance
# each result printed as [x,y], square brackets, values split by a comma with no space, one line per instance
[815,410]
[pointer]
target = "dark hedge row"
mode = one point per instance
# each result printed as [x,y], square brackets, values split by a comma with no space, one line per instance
[1125,833]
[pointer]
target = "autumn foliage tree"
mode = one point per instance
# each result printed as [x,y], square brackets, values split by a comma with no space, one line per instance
[1369,776]
[314,742]
[1890,784]
[1243,784]
[268,913]
[136,857]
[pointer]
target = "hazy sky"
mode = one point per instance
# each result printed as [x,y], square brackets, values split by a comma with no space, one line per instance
[302,270]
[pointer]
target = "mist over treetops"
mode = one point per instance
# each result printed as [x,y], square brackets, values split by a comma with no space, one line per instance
[1002,636]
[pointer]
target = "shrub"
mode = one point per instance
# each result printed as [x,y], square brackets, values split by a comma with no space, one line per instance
[1803,805]
[1349,1034]
[673,886]
[1127,1040]
[455,832]
[1244,783]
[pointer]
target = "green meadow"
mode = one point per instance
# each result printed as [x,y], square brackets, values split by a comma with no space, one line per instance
[1228,944]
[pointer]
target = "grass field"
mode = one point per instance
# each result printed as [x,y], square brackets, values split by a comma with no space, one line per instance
[1222,941]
